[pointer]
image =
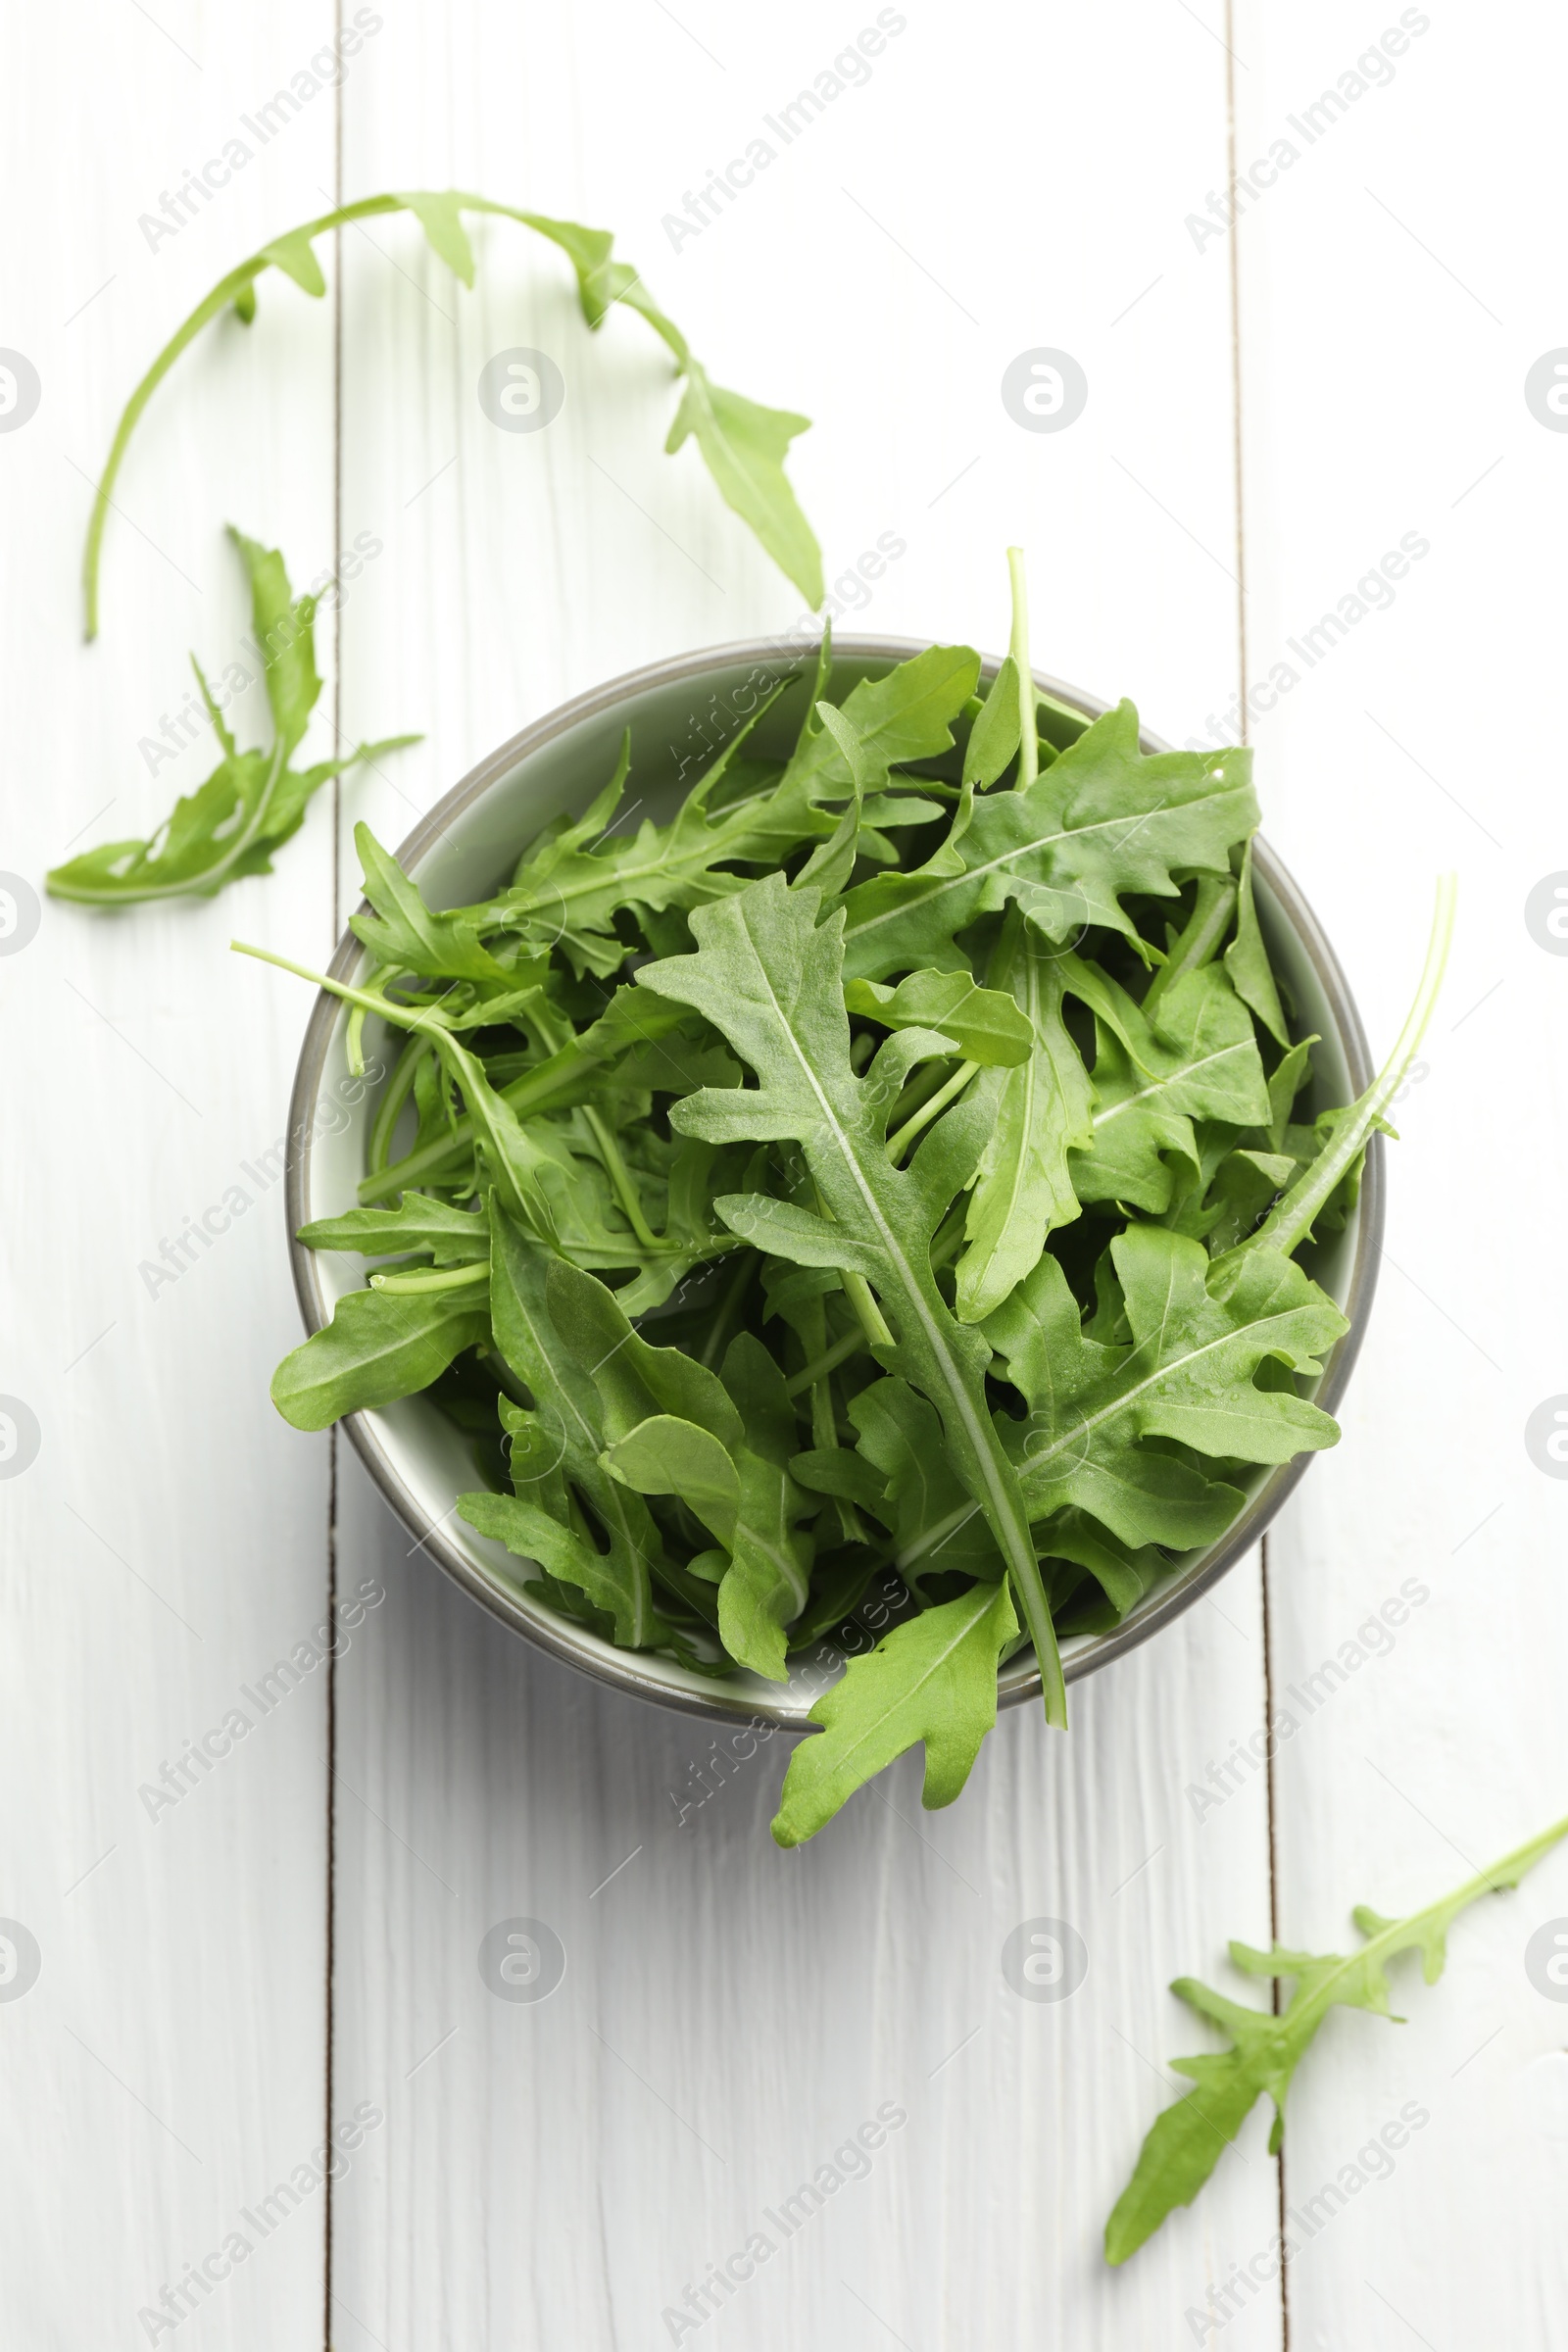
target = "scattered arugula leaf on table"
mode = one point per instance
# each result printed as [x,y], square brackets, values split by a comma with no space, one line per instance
[254,800]
[741,444]
[1185,2143]
[888,1167]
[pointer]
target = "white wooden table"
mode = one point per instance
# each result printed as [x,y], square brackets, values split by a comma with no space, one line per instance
[298,1936]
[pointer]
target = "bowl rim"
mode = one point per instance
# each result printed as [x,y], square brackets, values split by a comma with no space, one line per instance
[620,1671]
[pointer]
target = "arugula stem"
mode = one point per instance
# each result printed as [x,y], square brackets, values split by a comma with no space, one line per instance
[601,282]
[226,290]
[1288,1225]
[445,1278]
[620,1179]
[1396,1936]
[828,1361]
[899,1143]
[400,1015]
[1201,938]
[858,1291]
[399,1087]
[728,1309]
[1018,647]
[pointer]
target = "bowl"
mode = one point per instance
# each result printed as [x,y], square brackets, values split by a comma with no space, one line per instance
[463,852]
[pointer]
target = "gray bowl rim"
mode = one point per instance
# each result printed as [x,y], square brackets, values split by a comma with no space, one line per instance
[559,1636]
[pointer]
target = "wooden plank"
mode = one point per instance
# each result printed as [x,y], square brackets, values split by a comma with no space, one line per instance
[167,1544]
[1416,737]
[729,2016]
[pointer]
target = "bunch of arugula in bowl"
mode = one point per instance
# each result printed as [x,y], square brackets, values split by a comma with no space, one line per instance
[876,1171]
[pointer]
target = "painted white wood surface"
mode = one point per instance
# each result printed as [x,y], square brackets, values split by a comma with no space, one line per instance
[1389,314]
[729,2015]
[168,1542]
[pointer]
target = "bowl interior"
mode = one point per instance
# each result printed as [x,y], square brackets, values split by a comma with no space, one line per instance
[680,715]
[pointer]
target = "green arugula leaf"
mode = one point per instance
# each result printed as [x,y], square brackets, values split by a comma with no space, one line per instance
[253,802]
[1200,1061]
[1103,821]
[1246,960]
[404,932]
[985,1025]
[771,981]
[1036,1114]
[377,1347]
[1186,2142]
[932,1679]
[922,1500]
[453,1237]
[556,1447]
[907,714]
[1348,1131]
[743,1494]
[744,445]
[1188,1374]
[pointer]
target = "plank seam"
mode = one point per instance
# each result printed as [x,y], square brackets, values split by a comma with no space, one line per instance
[329,2215]
[1239,478]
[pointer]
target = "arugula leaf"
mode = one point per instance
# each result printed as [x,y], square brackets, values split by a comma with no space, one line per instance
[404,932]
[1246,960]
[556,1447]
[915,1492]
[377,1347]
[1103,822]
[771,980]
[1200,1062]
[743,1494]
[253,801]
[743,445]
[985,1025]
[1293,1221]
[1036,1114]
[1186,2142]
[1188,1374]
[905,715]
[932,1679]
[453,1237]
